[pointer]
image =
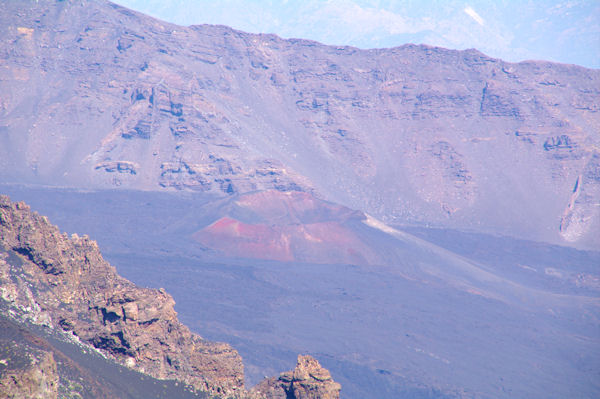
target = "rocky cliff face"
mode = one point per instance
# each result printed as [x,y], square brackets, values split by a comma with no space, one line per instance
[307,381]
[65,284]
[409,134]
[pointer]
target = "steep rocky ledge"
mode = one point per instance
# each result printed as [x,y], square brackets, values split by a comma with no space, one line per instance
[64,283]
[309,380]
[67,284]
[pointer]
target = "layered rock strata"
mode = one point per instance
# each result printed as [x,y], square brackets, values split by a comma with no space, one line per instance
[66,284]
[414,134]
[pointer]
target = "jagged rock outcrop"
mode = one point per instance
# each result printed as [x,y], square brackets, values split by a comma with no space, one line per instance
[309,380]
[66,284]
[62,282]
[37,379]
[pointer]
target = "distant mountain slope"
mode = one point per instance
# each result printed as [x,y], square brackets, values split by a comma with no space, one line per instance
[95,95]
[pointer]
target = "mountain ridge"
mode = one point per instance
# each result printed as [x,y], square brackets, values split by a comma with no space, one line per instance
[411,134]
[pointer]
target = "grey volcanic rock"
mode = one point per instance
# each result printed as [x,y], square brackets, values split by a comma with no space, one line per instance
[38,379]
[64,283]
[309,380]
[95,95]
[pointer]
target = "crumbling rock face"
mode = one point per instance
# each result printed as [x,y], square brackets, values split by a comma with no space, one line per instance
[307,381]
[67,284]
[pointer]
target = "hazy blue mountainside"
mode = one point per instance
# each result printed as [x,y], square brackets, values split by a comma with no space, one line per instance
[97,96]
[425,222]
